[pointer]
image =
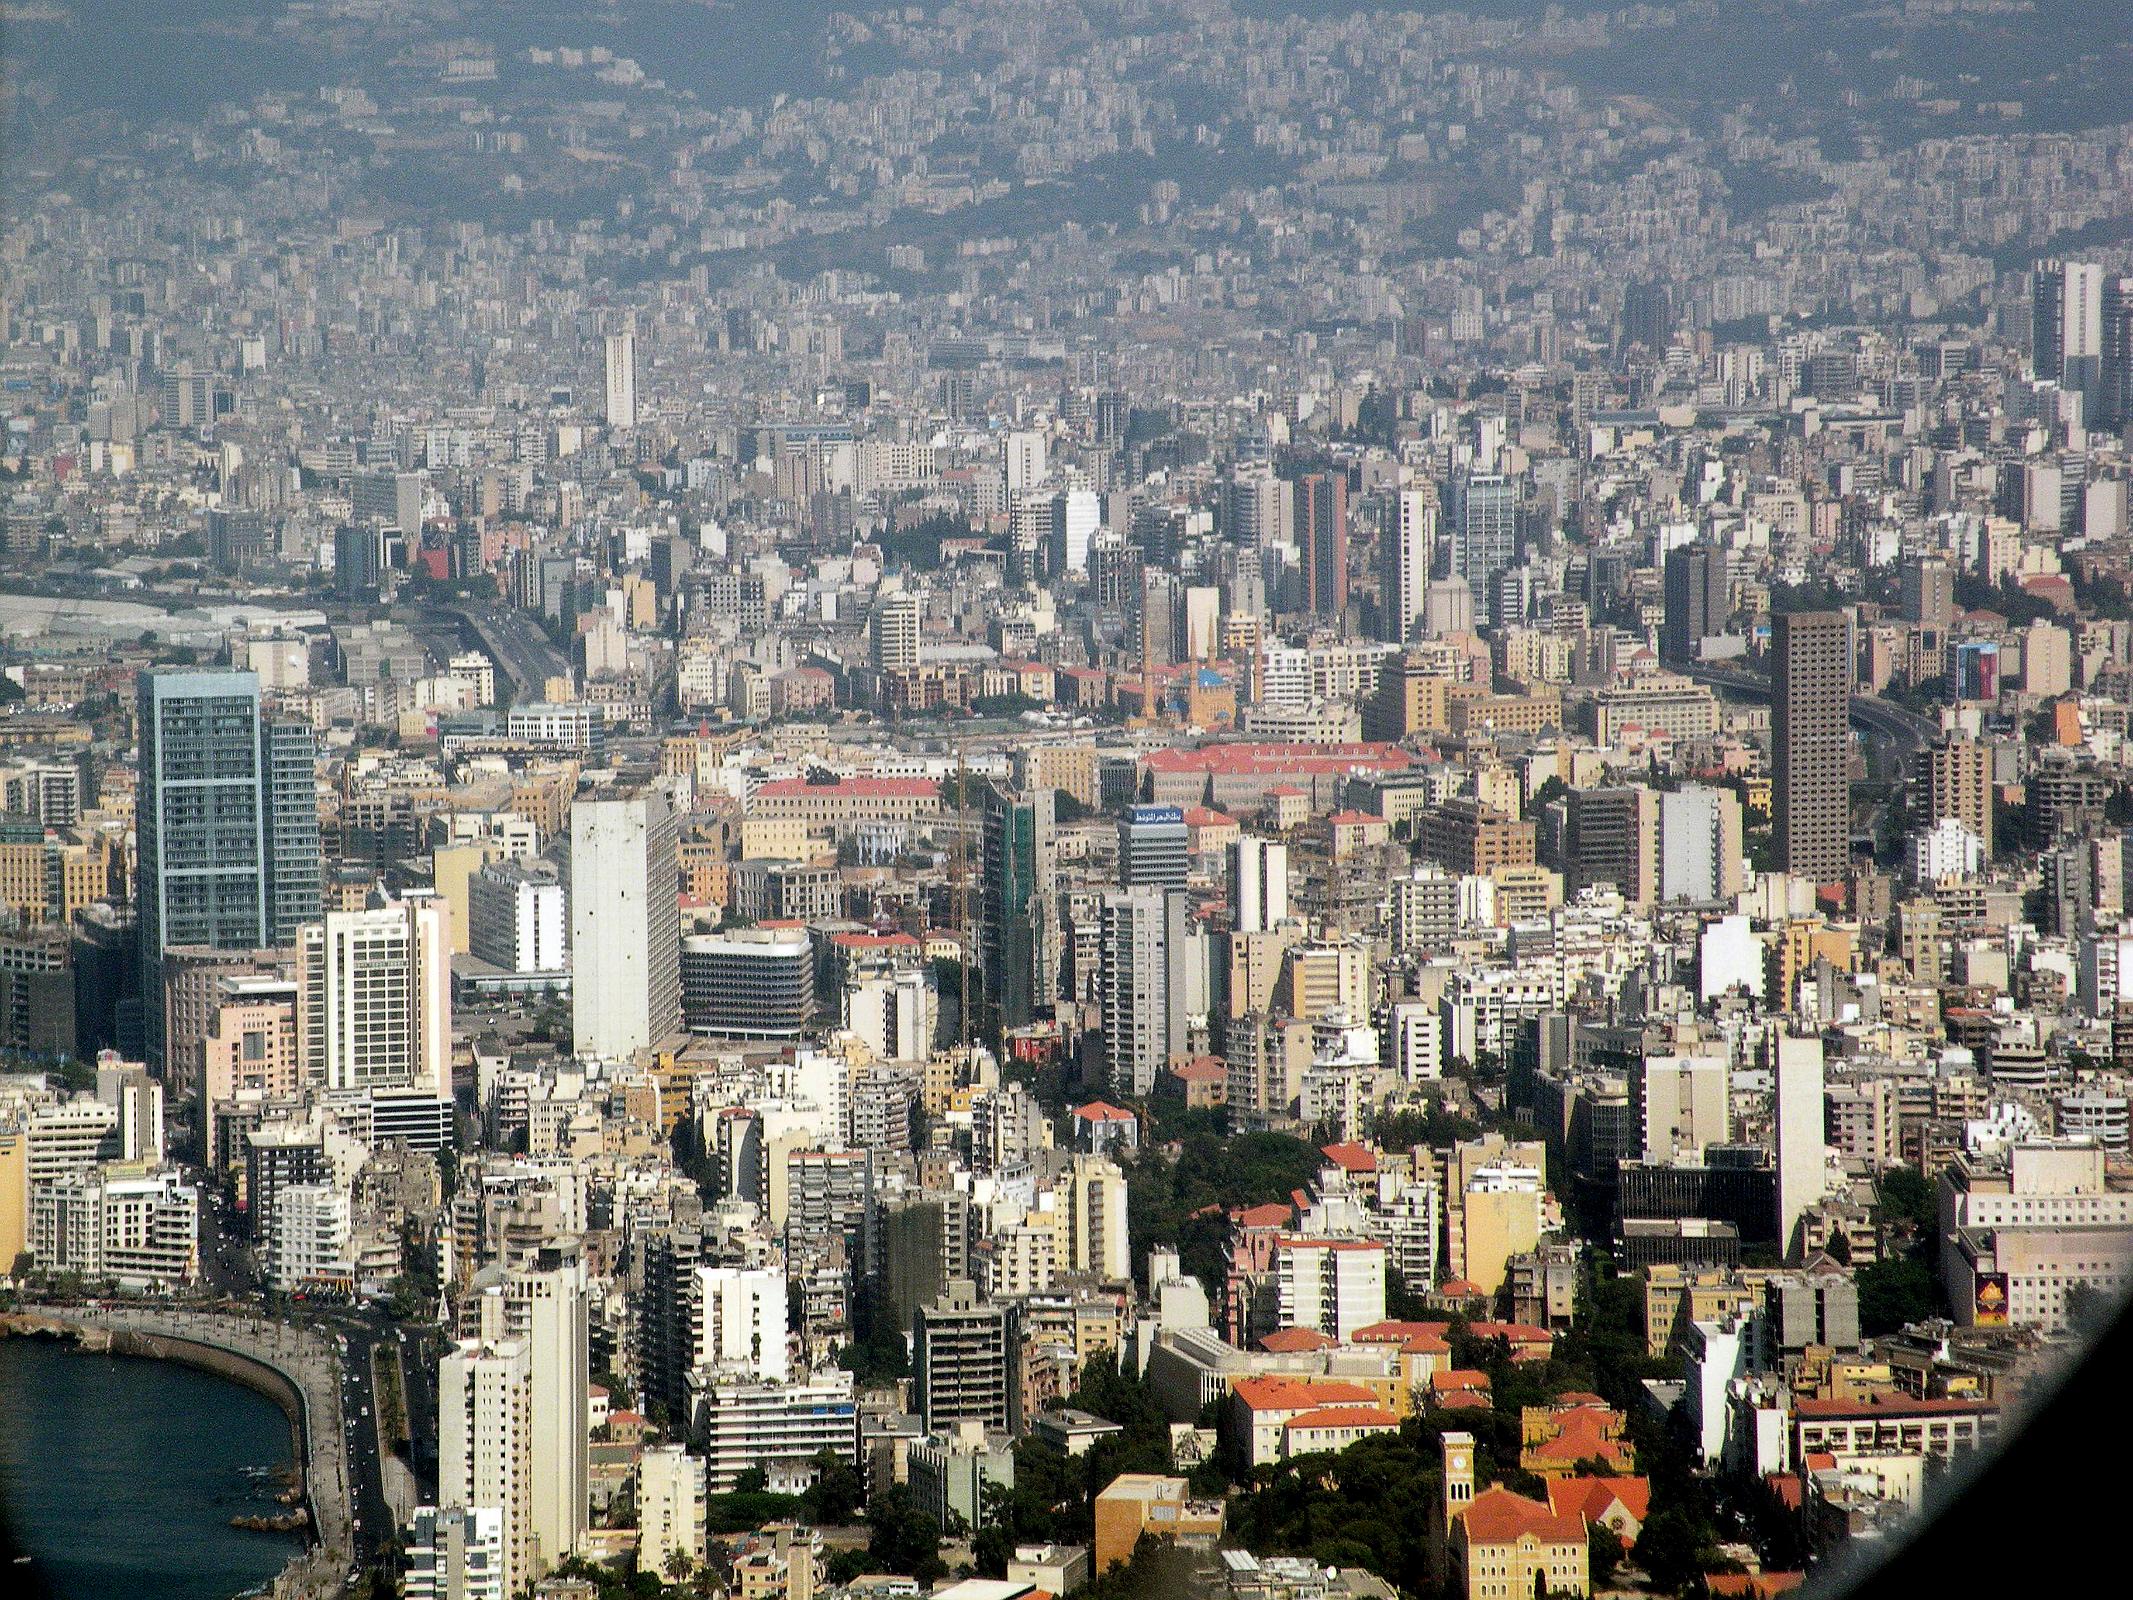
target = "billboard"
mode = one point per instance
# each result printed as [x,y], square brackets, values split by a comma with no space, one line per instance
[1990,1310]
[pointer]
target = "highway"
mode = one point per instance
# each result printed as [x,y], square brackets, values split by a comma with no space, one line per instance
[1894,734]
[353,1331]
[522,652]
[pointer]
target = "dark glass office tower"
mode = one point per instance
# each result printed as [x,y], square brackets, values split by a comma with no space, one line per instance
[226,825]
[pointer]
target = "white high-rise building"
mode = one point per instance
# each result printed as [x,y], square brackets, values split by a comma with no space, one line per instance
[309,1241]
[547,1311]
[1076,515]
[895,630]
[1407,548]
[456,1554]
[1946,850]
[670,1507]
[1142,980]
[374,997]
[625,924]
[1681,1106]
[516,919]
[1414,1040]
[892,1009]
[1333,1285]
[1025,462]
[1259,884]
[622,380]
[1095,1201]
[138,1099]
[485,1443]
[740,1322]
[1801,1129]
[1699,845]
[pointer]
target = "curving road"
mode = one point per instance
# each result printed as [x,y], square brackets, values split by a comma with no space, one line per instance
[1897,735]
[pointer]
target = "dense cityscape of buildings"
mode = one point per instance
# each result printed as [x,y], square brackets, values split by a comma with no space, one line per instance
[968,814]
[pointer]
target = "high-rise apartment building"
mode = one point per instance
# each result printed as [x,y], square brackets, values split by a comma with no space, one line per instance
[1956,774]
[1015,907]
[374,997]
[894,633]
[1484,533]
[1023,461]
[1152,847]
[1681,1105]
[738,1322]
[485,1442]
[2066,324]
[2114,404]
[1322,532]
[1699,845]
[1405,550]
[1142,982]
[1332,1285]
[1811,704]
[226,824]
[1259,884]
[622,380]
[670,1507]
[1699,598]
[545,1307]
[1799,1123]
[517,918]
[625,923]
[389,500]
[1611,835]
[1928,591]
[966,1356]
[455,1555]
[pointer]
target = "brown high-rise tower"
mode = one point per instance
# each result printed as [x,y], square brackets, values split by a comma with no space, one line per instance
[1811,683]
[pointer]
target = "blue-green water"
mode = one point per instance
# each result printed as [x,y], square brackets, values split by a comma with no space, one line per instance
[119,1476]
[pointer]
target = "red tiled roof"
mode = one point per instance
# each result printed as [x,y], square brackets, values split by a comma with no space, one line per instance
[1299,1394]
[1891,1405]
[1288,1341]
[1497,1516]
[1343,1417]
[1461,1400]
[1247,759]
[1351,1157]
[1102,1111]
[1200,1069]
[857,788]
[1592,1496]
[1581,1436]
[1394,1332]
[1753,1585]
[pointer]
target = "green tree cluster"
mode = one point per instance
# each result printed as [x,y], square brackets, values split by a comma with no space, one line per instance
[1184,1202]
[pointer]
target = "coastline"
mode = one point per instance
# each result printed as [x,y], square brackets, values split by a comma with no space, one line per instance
[229,1365]
[315,1565]
[129,1477]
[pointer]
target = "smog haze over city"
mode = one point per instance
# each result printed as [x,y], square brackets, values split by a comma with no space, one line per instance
[1126,799]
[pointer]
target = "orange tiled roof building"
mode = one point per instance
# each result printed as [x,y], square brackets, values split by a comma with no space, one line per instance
[1497,1545]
